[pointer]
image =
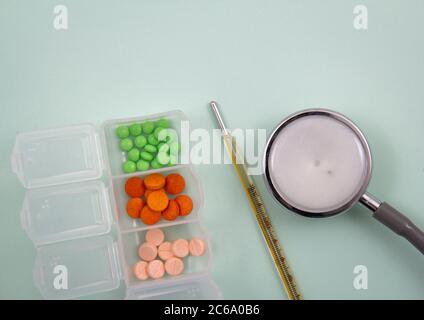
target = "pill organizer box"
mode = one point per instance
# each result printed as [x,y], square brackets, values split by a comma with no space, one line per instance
[74,212]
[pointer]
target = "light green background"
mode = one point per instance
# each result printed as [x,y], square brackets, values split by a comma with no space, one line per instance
[261,60]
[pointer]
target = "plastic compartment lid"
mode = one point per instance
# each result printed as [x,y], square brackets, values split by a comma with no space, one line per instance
[55,156]
[77,268]
[202,288]
[66,212]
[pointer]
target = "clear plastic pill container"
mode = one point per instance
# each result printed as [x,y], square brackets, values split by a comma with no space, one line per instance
[74,212]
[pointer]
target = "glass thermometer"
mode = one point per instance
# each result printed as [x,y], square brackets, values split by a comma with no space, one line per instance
[258,207]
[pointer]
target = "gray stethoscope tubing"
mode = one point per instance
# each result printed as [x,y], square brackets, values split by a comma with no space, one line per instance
[382,211]
[394,220]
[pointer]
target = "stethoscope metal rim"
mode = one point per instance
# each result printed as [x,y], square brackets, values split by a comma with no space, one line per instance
[344,120]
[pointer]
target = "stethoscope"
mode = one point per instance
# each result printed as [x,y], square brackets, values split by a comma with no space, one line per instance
[315,151]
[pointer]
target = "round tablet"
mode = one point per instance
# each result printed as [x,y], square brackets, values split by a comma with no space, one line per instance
[155,269]
[174,266]
[140,141]
[158,200]
[146,156]
[150,148]
[148,127]
[135,129]
[140,270]
[142,165]
[147,251]
[155,236]
[122,132]
[152,139]
[165,250]
[133,154]
[180,248]
[129,166]
[196,247]
[126,144]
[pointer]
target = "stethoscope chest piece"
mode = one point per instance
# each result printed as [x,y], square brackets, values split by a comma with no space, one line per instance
[317,163]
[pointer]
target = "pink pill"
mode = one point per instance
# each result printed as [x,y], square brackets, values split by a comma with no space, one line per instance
[155,269]
[155,236]
[165,250]
[147,251]
[174,266]
[180,248]
[196,247]
[140,270]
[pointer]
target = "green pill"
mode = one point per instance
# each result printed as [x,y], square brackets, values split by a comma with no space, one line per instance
[146,156]
[134,154]
[163,122]
[150,148]
[160,144]
[148,127]
[142,165]
[122,132]
[155,164]
[140,141]
[135,129]
[129,166]
[163,147]
[163,158]
[152,140]
[126,144]
[174,148]
[160,133]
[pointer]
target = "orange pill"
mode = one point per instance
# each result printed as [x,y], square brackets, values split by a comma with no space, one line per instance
[196,247]
[175,183]
[155,236]
[134,187]
[148,192]
[165,250]
[154,181]
[172,211]
[180,248]
[140,270]
[149,216]
[185,203]
[147,251]
[155,269]
[174,266]
[134,207]
[157,200]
